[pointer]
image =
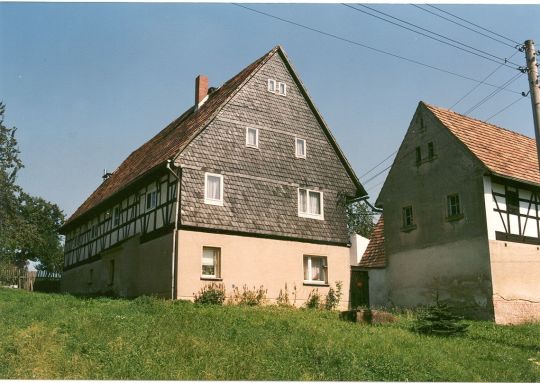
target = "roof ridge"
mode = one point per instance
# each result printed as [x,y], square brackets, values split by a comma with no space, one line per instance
[474,119]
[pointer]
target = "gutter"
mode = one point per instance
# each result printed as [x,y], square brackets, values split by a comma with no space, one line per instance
[174,270]
[365,199]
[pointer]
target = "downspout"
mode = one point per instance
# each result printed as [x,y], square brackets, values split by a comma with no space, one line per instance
[174,270]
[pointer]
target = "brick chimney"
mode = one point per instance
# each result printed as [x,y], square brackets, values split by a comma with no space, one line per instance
[201,88]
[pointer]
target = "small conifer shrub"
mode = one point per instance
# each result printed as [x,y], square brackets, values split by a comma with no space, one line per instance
[438,319]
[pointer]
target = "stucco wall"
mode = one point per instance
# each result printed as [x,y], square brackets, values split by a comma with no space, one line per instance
[257,261]
[515,270]
[139,269]
[459,271]
[378,294]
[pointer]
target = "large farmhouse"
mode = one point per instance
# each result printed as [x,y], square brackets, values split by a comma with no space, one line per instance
[461,219]
[247,187]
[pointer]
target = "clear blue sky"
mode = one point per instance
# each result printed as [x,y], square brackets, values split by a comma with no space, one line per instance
[86,84]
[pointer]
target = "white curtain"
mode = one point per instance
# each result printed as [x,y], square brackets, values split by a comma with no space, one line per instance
[314,203]
[209,262]
[252,137]
[213,187]
[300,150]
[303,200]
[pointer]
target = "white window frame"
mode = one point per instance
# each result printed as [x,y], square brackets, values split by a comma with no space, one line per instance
[217,263]
[150,192]
[256,146]
[278,90]
[307,214]
[117,216]
[211,201]
[310,279]
[296,139]
[272,85]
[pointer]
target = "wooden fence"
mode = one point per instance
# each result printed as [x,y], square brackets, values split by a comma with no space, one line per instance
[21,278]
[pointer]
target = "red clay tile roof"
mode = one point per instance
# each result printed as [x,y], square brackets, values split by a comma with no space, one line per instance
[374,256]
[167,143]
[503,152]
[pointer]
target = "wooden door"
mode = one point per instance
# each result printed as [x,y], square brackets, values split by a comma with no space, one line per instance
[359,288]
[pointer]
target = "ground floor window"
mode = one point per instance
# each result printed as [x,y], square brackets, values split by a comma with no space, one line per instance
[211,262]
[315,269]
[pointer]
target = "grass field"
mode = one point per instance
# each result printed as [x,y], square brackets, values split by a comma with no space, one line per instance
[60,336]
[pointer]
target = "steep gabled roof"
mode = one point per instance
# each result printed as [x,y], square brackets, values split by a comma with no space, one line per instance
[168,143]
[374,257]
[503,152]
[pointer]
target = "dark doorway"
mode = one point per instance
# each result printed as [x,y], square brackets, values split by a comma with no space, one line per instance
[359,288]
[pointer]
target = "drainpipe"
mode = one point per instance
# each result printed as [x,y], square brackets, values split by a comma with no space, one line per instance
[174,270]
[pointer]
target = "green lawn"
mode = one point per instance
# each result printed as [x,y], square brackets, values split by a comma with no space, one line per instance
[51,336]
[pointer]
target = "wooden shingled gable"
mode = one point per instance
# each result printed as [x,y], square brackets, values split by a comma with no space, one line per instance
[174,138]
[375,257]
[503,152]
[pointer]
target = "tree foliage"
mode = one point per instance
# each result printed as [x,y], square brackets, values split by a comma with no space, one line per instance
[360,219]
[28,225]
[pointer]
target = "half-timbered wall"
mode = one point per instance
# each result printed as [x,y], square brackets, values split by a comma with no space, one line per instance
[516,211]
[139,213]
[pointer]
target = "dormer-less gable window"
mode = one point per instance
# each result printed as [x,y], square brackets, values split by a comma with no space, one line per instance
[252,137]
[300,145]
[213,189]
[282,88]
[116,216]
[272,85]
[310,204]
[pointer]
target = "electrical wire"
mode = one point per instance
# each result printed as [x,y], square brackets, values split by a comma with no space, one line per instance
[464,26]
[480,83]
[474,51]
[380,163]
[492,94]
[369,47]
[506,107]
[376,175]
[476,25]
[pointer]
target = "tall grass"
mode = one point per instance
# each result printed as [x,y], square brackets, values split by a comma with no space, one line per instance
[60,336]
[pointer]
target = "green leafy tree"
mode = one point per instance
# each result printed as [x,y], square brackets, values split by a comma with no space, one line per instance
[28,225]
[360,219]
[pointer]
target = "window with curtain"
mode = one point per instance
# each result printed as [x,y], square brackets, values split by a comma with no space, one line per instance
[300,147]
[271,85]
[282,88]
[211,262]
[315,269]
[252,137]
[213,189]
[310,204]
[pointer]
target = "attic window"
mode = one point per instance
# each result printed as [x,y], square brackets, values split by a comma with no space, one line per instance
[431,150]
[272,85]
[151,200]
[282,88]
[418,155]
[300,145]
[213,189]
[252,137]
[512,201]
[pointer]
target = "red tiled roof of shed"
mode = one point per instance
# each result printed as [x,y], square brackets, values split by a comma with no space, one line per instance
[374,256]
[503,152]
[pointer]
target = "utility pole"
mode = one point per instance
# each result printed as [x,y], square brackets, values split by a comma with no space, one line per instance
[532,70]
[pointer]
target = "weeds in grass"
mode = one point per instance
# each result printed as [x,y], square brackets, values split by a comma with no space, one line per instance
[213,293]
[333,297]
[248,297]
[314,299]
[283,297]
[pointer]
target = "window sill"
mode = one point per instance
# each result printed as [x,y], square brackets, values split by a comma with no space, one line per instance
[408,228]
[252,147]
[213,202]
[312,216]
[418,163]
[456,217]
[315,283]
[215,279]
[300,157]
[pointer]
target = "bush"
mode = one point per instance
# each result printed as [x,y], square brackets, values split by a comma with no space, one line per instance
[439,320]
[213,293]
[255,297]
[334,296]
[314,300]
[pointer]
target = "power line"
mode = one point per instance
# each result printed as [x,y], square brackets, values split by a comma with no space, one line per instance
[476,25]
[380,163]
[477,85]
[492,94]
[474,51]
[461,25]
[369,47]
[506,107]
[376,175]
